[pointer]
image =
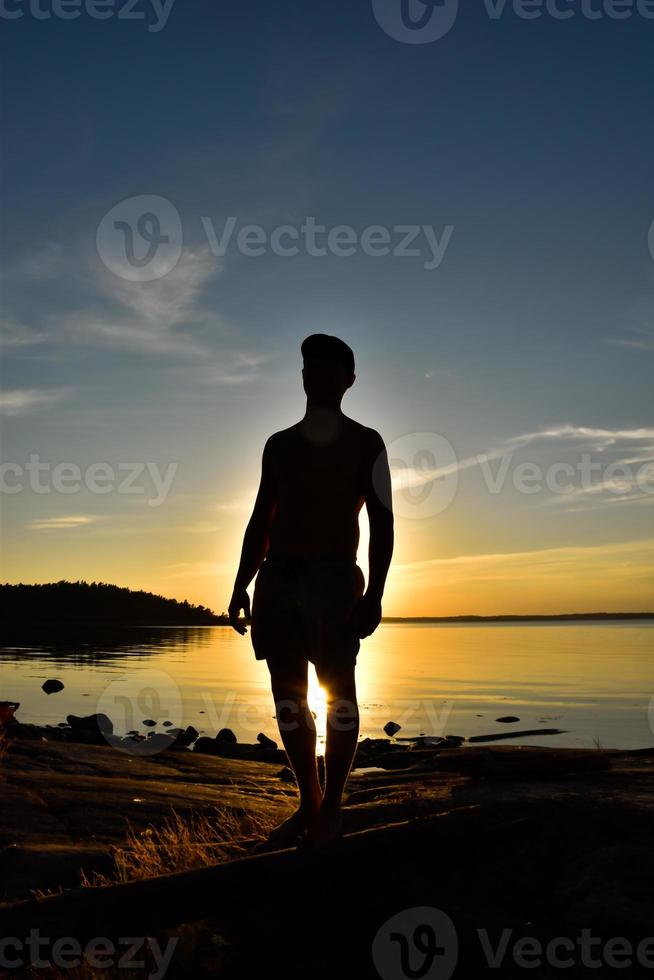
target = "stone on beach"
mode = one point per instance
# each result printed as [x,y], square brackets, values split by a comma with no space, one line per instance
[8,710]
[262,751]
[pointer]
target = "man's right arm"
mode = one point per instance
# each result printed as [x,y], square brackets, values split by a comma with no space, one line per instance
[255,540]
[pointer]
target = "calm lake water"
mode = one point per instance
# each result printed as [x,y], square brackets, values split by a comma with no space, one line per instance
[595,681]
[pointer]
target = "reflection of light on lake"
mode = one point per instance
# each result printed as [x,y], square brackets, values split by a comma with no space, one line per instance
[317,697]
[592,680]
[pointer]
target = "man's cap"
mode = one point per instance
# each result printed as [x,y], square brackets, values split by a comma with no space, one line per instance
[329,348]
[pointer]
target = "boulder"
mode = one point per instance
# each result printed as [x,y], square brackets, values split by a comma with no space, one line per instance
[91,727]
[182,739]
[52,686]
[208,746]
[7,711]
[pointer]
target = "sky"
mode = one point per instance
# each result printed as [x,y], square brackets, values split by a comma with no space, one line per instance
[191,189]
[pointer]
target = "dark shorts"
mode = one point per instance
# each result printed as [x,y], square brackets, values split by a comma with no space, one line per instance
[300,608]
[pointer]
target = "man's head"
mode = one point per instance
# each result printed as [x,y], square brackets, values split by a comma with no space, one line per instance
[328,368]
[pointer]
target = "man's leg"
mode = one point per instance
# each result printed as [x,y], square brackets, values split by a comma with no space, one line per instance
[342,735]
[298,733]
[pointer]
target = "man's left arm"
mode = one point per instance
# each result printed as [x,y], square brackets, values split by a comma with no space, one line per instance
[379,505]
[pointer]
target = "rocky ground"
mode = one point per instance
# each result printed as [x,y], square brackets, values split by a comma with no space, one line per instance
[544,842]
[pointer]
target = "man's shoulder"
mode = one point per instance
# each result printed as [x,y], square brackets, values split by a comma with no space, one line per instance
[280,438]
[369,439]
[368,436]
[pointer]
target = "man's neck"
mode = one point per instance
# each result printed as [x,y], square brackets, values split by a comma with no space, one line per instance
[322,423]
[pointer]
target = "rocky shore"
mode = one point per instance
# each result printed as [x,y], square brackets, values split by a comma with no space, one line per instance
[498,836]
[392,752]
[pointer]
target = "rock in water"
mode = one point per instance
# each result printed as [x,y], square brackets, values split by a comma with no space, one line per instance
[98,724]
[392,728]
[52,686]
[508,719]
[265,741]
[226,735]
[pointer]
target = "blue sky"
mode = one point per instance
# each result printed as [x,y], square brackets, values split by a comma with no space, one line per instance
[530,139]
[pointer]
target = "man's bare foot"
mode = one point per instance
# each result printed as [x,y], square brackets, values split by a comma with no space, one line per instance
[287,832]
[327,826]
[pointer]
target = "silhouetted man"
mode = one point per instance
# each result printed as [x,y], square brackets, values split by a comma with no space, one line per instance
[309,602]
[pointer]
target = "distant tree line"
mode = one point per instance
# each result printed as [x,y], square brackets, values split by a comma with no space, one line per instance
[97,603]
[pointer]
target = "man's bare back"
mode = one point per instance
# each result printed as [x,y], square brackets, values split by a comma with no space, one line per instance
[322,471]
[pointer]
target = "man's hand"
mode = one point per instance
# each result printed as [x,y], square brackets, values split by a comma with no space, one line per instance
[240,600]
[366,615]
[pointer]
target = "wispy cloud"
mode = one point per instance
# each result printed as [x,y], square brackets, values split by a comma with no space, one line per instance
[623,559]
[638,327]
[165,317]
[599,439]
[638,338]
[157,316]
[621,464]
[14,334]
[62,523]
[23,401]
[410,477]
[235,368]
[626,455]
[241,503]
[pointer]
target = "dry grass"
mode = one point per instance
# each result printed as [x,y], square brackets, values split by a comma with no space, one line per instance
[182,843]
